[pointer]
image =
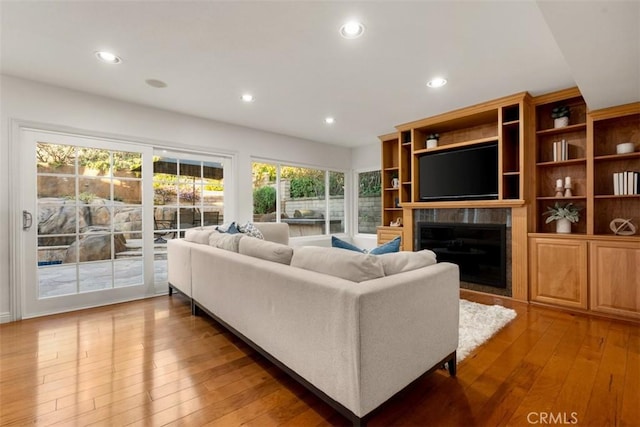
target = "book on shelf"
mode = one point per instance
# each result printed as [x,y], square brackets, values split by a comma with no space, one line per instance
[560,151]
[626,183]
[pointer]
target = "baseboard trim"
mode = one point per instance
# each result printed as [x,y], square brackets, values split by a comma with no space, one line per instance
[6,317]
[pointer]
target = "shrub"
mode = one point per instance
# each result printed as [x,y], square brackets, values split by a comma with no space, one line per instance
[264,200]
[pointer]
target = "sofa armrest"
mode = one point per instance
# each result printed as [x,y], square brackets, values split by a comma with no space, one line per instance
[179,265]
[408,323]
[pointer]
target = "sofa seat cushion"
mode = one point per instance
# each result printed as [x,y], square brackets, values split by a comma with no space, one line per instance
[229,242]
[349,265]
[399,262]
[264,249]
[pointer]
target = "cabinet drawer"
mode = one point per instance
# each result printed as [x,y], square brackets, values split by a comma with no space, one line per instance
[386,234]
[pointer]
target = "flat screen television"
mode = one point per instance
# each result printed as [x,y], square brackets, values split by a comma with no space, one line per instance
[460,174]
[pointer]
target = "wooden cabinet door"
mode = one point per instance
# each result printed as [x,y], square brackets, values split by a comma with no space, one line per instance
[615,282]
[559,271]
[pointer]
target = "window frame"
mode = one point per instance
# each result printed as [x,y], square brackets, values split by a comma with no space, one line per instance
[347,201]
[355,194]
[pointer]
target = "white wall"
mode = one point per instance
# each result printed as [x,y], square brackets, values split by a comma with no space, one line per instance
[367,157]
[59,108]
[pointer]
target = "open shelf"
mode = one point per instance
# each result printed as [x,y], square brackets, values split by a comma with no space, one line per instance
[456,145]
[563,162]
[556,131]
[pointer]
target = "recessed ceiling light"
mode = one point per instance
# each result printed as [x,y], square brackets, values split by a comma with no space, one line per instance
[437,82]
[352,30]
[155,83]
[247,97]
[108,57]
[329,120]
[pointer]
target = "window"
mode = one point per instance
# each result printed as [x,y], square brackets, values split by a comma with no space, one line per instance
[369,202]
[299,197]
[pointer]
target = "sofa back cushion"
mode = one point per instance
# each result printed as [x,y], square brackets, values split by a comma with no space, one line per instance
[398,262]
[348,265]
[274,231]
[225,241]
[264,249]
[199,235]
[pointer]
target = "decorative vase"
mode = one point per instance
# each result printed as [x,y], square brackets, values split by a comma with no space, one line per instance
[563,225]
[432,143]
[561,122]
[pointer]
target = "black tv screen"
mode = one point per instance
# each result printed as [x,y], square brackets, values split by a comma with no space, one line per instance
[460,174]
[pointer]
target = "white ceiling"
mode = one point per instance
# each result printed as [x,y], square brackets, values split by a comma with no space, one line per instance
[292,58]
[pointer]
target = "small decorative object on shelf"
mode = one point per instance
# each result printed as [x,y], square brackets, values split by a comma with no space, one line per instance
[560,116]
[625,148]
[622,227]
[396,223]
[432,140]
[559,188]
[395,182]
[567,187]
[563,215]
[626,183]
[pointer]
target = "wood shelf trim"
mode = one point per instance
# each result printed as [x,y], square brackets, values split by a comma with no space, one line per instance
[619,196]
[561,198]
[511,173]
[392,209]
[626,156]
[578,236]
[511,123]
[408,143]
[456,145]
[566,129]
[393,168]
[563,162]
[512,203]
[391,189]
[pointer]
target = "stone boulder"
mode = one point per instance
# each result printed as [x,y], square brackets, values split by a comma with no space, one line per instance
[58,216]
[128,220]
[95,245]
[99,212]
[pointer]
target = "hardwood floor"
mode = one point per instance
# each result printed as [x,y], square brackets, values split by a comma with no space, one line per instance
[150,362]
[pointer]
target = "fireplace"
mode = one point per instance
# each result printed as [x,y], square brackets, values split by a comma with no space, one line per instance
[480,250]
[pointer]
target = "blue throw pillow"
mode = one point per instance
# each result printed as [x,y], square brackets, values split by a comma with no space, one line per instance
[386,248]
[229,229]
[339,243]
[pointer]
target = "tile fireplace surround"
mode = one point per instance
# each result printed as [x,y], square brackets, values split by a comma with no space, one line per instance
[471,216]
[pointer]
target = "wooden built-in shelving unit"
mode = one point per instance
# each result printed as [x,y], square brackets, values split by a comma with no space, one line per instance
[567,270]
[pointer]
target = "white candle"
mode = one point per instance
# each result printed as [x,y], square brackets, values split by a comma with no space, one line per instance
[567,181]
[559,183]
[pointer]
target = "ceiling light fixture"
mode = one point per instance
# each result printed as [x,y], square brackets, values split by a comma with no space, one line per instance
[108,57]
[437,82]
[329,120]
[352,30]
[247,97]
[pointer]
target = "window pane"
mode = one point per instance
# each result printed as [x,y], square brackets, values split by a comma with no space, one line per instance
[127,191]
[95,276]
[127,165]
[369,202]
[54,158]
[57,279]
[336,202]
[94,162]
[264,192]
[302,200]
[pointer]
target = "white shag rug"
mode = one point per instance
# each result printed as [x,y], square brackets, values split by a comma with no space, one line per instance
[478,323]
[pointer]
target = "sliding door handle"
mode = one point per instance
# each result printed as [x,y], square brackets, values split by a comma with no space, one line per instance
[27,220]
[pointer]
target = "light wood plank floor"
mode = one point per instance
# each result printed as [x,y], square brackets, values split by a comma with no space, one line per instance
[151,363]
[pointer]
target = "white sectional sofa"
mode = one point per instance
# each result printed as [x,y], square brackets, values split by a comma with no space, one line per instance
[353,328]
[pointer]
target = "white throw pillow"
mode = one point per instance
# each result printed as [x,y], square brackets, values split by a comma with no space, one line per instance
[225,241]
[398,262]
[349,265]
[264,249]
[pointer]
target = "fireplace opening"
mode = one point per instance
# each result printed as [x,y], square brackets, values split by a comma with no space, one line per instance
[478,249]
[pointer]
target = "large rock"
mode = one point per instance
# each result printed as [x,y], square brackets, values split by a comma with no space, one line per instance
[58,216]
[128,220]
[95,246]
[99,212]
